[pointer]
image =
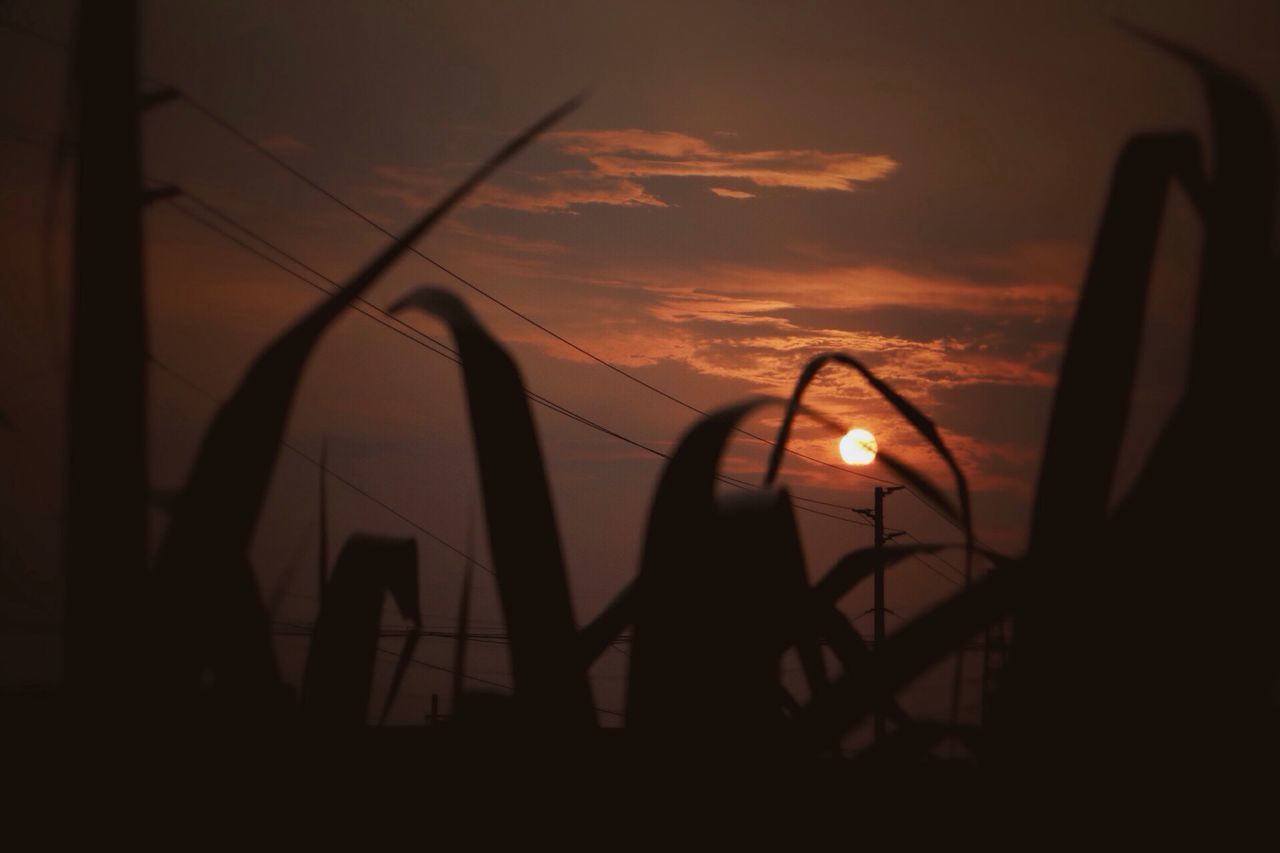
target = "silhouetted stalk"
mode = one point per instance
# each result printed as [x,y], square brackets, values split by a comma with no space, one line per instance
[106,544]
[926,428]
[464,621]
[551,686]
[344,644]
[203,562]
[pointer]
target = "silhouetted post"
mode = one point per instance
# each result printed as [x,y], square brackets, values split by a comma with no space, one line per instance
[878,603]
[106,554]
[322,565]
[877,607]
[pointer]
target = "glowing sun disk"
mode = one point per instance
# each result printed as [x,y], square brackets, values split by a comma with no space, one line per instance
[858,447]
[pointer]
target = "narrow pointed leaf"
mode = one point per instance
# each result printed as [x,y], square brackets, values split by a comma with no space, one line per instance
[340,663]
[915,647]
[914,416]
[1095,384]
[218,509]
[549,681]
[464,621]
[858,565]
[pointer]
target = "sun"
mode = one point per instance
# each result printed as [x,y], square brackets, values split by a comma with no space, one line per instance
[858,447]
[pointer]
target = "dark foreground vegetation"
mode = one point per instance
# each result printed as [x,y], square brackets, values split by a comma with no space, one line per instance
[1139,644]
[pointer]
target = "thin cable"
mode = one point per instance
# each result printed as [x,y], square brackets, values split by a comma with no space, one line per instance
[336,475]
[946,577]
[222,122]
[432,344]
[401,325]
[398,326]
[958,571]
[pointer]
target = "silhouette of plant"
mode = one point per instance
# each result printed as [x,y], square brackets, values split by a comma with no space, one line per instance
[1104,668]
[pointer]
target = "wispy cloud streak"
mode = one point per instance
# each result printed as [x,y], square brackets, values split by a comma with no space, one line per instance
[619,162]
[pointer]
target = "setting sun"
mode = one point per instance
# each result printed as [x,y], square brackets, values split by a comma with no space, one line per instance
[858,447]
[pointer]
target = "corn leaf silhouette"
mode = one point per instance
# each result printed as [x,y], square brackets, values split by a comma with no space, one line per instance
[914,416]
[1156,578]
[908,652]
[106,467]
[1130,684]
[464,621]
[344,645]
[1095,382]
[201,563]
[600,633]
[550,682]
[856,566]
[1057,665]
[709,631]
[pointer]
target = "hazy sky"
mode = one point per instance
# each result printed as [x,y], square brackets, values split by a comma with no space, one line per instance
[748,184]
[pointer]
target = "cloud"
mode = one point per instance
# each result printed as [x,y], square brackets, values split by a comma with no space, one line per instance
[858,288]
[618,162]
[641,154]
[555,192]
[759,326]
[561,192]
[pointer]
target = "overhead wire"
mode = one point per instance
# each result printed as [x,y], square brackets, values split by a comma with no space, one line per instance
[221,121]
[432,344]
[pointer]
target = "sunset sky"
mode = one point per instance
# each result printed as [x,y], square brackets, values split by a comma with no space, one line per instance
[747,185]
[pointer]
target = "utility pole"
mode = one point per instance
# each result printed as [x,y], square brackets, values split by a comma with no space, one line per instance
[878,608]
[106,531]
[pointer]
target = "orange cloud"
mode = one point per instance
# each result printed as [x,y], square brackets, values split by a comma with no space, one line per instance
[620,160]
[555,192]
[641,153]
[863,287]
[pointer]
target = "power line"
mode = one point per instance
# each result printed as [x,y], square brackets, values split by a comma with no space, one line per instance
[336,475]
[959,572]
[946,577]
[364,306]
[221,121]
[229,127]
[224,123]
[378,501]
[434,346]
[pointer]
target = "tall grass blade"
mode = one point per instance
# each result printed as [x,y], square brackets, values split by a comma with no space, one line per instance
[601,632]
[1057,669]
[464,621]
[218,510]
[914,416]
[909,652]
[856,566]
[322,552]
[1095,384]
[550,682]
[344,645]
[709,631]
[1227,712]
[106,487]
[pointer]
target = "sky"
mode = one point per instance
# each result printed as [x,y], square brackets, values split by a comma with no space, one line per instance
[747,185]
